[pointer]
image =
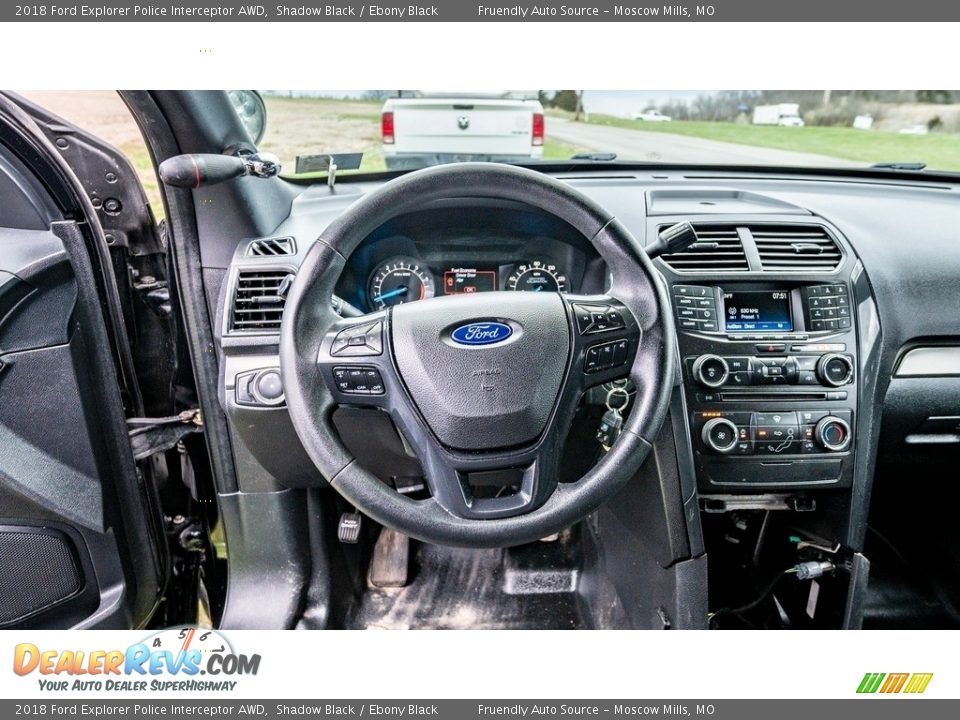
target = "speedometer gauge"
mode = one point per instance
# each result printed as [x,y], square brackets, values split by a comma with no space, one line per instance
[537,276]
[400,280]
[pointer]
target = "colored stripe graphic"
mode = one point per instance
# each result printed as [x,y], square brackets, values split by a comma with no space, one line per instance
[894,683]
[918,682]
[870,682]
[913,683]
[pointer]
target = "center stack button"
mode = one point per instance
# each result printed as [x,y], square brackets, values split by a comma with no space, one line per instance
[776,433]
[711,371]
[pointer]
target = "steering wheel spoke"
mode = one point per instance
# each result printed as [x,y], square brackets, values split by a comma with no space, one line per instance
[485,486]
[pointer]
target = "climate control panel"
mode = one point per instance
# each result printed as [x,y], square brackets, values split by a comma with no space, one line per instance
[774,433]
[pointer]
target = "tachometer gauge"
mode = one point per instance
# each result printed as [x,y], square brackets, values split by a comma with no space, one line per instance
[400,280]
[537,276]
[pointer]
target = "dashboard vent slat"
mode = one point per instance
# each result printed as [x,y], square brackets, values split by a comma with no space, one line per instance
[259,298]
[795,247]
[718,248]
[271,247]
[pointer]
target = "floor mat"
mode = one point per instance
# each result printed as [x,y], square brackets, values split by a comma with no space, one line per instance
[903,592]
[478,589]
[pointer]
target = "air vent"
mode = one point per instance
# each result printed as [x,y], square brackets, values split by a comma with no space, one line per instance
[718,248]
[795,247]
[269,247]
[259,299]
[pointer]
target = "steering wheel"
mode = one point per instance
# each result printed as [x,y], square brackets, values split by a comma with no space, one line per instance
[482,387]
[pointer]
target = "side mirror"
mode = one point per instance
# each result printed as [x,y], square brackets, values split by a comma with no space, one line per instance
[252,112]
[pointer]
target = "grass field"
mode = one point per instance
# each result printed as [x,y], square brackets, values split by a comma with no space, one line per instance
[940,151]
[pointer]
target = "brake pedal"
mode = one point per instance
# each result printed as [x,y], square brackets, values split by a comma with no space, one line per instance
[349,527]
[390,563]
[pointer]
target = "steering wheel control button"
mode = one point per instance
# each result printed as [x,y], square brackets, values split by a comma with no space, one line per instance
[606,356]
[711,371]
[359,341]
[598,318]
[833,434]
[835,370]
[720,435]
[358,380]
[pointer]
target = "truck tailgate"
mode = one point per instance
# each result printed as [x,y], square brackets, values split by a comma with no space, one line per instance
[501,127]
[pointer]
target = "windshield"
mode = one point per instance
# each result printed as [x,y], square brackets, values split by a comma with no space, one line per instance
[813,128]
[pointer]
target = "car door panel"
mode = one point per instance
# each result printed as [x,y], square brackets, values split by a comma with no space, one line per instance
[80,532]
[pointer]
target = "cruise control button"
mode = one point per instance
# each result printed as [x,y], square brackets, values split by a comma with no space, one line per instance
[358,380]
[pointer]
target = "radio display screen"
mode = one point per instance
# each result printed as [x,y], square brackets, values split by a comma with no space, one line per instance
[751,310]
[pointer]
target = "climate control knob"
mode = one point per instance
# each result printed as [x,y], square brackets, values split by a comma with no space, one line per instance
[835,370]
[711,370]
[720,435]
[833,434]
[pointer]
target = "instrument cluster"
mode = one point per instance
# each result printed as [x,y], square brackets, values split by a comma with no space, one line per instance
[398,269]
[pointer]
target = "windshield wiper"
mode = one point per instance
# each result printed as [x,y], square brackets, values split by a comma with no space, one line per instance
[595,157]
[900,165]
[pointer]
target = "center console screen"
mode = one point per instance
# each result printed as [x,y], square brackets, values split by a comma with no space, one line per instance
[752,310]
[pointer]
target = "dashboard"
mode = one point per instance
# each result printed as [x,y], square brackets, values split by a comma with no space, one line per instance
[802,307]
[487,249]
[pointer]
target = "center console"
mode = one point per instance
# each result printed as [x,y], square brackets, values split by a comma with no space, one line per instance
[770,377]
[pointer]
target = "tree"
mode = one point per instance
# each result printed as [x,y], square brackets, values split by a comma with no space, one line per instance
[938,97]
[566,100]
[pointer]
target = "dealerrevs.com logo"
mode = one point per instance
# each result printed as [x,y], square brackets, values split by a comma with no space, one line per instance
[180,659]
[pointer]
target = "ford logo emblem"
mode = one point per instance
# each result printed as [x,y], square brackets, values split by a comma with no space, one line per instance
[481,333]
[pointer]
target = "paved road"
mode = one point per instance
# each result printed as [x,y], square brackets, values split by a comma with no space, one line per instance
[648,146]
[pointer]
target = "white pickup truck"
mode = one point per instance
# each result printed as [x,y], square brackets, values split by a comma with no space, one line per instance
[429,129]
